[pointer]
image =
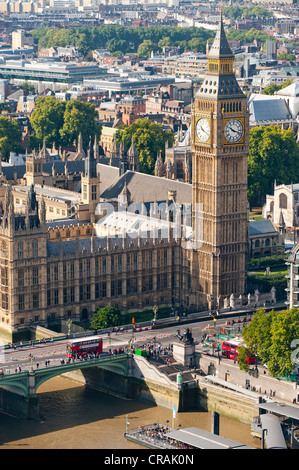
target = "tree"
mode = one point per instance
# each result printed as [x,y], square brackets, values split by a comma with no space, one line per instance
[243,354]
[197,44]
[61,122]
[245,36]
[273,338]
[115,45]
[273,155]
[145,49]
[284,330]
[257,336]
[242,12]
[105,317]
[118,38]
[47,119]
[149,140]
[165,42]
[10,137]
[272,88]
[286,56]
[79,117]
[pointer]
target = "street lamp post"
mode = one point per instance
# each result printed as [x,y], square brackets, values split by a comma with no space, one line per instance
[155,310]
[69,324]
[32,358]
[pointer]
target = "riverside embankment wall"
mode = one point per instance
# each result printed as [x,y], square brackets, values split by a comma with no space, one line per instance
[260,381]
[148,384]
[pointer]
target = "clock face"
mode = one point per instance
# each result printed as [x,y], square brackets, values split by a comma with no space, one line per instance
[203,130]
[233,130]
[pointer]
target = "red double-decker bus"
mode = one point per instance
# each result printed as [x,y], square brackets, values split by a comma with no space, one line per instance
[84,346]
[230,350]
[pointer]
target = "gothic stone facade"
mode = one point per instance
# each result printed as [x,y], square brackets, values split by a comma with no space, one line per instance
[220,146]
[46,279]
[43,280]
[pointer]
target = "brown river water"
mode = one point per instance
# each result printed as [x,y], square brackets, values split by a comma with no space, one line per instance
[77,417]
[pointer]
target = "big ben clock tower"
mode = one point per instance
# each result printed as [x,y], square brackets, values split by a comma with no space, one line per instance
[220,145]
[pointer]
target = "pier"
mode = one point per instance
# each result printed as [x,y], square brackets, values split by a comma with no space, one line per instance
[157,436]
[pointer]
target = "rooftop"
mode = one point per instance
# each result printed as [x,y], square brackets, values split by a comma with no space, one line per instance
[204,440]
[147,188]
[265,109]
[259,227]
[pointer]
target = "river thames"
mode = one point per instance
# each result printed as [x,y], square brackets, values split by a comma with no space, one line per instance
[73,416]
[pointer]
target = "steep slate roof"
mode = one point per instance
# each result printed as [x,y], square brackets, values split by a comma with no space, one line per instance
[260,227]
[220,47]
[65,222]
[8,171]
[146,188]
[100,243]
[269,109]
[215,85]
[108,176]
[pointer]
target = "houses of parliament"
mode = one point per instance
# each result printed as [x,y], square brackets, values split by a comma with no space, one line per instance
[79,234]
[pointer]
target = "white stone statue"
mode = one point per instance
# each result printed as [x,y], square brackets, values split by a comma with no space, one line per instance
[273,295]
[257,297]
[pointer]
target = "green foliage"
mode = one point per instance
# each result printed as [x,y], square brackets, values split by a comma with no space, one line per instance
[79,117]
[245,36]
[272,88]
[264,262]
[257,334]
[273,155]
[286,56]
[105,317]
[247,12]
[264,283]
[243,354]
[118,38]
[149,140]
[271,337]
[284,329]
[145,49]
[5,107]
[27,86]
[62,121]
[10,137]
[47,120]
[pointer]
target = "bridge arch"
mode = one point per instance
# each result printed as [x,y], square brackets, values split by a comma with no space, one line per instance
[118,361]
[16,383]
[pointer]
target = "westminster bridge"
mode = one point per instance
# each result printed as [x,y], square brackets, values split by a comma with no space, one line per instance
[18,389]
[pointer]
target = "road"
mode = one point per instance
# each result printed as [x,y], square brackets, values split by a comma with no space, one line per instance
[27,357]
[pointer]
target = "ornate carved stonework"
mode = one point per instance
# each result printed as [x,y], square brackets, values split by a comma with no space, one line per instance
[220,146]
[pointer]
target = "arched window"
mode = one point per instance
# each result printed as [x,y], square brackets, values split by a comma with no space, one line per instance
[283,201]
[271,206]
[267,242]
[257,244]
[179,169]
